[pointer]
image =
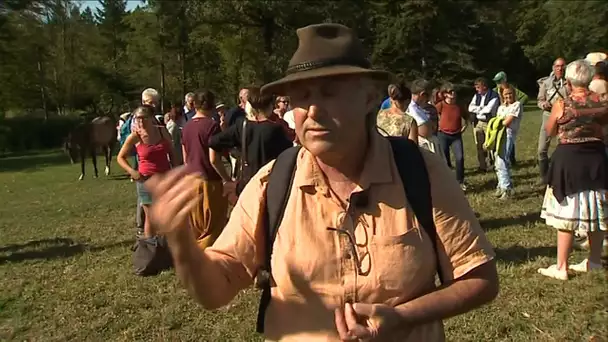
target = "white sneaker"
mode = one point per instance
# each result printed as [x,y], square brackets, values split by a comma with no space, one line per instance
[553,272]
[585,266]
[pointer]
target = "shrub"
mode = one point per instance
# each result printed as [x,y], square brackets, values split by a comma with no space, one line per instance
[21,134]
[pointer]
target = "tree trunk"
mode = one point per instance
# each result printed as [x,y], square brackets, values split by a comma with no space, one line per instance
[268,29]
[42,85]
[239,62]
[183,42]
[161,43]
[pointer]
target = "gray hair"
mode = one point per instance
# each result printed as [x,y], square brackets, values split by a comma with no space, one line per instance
[150,93]
[187,96]
[579,73]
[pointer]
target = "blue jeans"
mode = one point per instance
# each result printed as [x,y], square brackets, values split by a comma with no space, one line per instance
[455,141]
[503,163]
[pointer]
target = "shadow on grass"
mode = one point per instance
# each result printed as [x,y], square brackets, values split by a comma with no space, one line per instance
[31,163]
[54,249]
[518,255]
[521,220]
[522,164]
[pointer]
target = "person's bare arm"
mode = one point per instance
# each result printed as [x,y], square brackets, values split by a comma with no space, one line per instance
[125,151]
[215,275]
[413,135]
[184,154]
[476,288]
[425,130]
[556,112]
[218,165]
[210,281]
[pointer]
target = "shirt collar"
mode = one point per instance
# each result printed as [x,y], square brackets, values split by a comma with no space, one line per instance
[377,169]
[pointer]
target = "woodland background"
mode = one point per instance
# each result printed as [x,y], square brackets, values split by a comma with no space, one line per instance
[59,59]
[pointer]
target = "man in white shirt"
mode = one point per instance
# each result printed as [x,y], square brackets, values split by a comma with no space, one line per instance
[483,107]
[417,109]
[189,109]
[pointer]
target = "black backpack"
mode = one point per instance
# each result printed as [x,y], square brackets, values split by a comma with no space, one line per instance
[151,256]
[413,173]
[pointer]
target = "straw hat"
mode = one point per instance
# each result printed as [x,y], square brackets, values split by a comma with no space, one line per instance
[594,57]
[325,50]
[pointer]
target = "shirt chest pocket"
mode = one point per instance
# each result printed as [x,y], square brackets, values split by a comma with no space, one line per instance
[404,263]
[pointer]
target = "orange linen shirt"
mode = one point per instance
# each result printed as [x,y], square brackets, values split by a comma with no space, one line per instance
[314,269]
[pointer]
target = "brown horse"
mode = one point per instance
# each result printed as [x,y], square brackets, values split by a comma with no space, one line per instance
[88,137]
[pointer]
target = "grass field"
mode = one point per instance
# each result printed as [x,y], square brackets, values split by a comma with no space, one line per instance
[65,264]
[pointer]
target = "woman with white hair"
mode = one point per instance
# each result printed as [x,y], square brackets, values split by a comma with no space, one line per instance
[577,193]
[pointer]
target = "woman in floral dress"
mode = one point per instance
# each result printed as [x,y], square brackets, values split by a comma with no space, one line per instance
[394,121]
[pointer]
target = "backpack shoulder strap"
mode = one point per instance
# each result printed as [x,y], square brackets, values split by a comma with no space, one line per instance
[415,178]
[277,196]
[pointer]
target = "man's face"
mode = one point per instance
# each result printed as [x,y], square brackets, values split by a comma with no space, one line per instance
[282,103]
[330,112]
[558,68]
[221,111]
[421,98]
[190,102]
[148,101]
[243,96]
[481,88]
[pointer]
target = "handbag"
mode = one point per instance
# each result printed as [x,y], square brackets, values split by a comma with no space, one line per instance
[151,256]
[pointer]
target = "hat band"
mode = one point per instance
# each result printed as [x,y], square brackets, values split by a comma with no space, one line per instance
[306,66]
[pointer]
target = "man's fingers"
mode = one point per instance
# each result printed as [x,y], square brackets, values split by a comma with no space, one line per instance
[355,329]
[184,186]
[362,309]
[350,316]
[341,325]
[181,198]
[159,184]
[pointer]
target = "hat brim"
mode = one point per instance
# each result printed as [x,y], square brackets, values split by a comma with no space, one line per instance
[497,79]
[277,87]
[595,57]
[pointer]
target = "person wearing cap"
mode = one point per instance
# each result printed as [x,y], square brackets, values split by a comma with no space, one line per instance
[599,84]
[501,83]
[376,280]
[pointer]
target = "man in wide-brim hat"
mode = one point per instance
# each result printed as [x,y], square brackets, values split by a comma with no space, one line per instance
[350,261]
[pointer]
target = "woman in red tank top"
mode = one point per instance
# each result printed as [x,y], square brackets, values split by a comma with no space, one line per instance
[154,150]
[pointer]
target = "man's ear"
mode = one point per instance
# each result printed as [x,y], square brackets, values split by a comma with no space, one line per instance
[374,95]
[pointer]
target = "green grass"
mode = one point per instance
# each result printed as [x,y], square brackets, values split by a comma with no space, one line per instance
[65,266]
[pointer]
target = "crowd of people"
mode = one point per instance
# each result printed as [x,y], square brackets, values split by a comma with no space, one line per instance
[376,277]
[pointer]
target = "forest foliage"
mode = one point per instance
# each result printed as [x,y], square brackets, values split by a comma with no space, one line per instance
[59,57]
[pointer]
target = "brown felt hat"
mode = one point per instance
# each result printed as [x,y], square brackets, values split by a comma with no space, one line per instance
[326,50]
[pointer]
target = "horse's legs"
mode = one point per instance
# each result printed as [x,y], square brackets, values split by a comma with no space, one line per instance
[108,153]
[81,152]
[94,157]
